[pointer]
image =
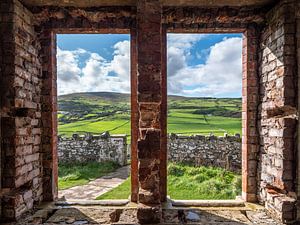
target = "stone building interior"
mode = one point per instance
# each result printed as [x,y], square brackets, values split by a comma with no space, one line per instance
[270,101]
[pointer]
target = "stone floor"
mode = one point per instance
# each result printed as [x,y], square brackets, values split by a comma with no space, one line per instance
[96,187]
[87,214]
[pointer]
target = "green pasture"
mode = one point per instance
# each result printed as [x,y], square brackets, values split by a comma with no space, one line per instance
[190,182]
[100,112]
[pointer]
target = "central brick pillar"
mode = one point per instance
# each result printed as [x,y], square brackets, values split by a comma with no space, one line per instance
[149,87]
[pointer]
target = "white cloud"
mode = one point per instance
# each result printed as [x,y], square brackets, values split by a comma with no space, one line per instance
[219,75]
[94,75]
[179,46]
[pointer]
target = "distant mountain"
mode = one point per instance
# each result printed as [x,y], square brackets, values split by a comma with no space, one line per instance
[121,97]
[104,96]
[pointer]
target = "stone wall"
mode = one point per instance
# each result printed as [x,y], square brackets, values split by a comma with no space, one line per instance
[224,152]
[98,148]
[20,110]
[277,112]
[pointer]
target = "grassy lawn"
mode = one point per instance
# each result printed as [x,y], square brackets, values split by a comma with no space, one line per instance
[70,175]
[189,182]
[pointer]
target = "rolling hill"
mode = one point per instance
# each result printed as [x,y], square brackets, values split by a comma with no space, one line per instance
[97,112]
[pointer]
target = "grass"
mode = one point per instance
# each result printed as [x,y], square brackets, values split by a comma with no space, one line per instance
[182,121]
[70,175]
[100,112]
[190,182]
[179,121]
[120,192]
[86,113]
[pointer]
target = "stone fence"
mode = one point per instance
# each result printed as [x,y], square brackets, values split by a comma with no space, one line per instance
[199,150]
[225,152]
[83,148]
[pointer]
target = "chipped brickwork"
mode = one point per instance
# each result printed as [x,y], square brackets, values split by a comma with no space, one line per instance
[210,20]
[149,55]
[249,114]
[20,111]
[277,112]
[89,20]
[298,103]
[49,114]
[28,96]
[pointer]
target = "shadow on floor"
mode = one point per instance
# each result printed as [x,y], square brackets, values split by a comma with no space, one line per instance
[79,215]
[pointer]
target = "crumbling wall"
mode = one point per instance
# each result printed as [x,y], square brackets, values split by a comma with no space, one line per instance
[277,112]
[20,110]
[100,148]
[149,87]
[48,22]
[224,152]
[28,79]
[298,102]
[212,19]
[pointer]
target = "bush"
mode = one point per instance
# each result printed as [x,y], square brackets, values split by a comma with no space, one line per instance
[176,170]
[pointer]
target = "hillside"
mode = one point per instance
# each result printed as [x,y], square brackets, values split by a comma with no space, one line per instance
[97,112]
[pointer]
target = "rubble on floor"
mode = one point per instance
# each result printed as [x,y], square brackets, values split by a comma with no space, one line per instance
[96,214]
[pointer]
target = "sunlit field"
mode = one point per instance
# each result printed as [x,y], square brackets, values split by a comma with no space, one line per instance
[97,113]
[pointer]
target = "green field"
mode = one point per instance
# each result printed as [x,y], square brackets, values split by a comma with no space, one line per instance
[189,182]
[102,111]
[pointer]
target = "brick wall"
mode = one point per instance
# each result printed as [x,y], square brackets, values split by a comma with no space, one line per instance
[149,70]
[20,111]
[277,112]
[298,102]
[28,97]
[49,113]
[212,19]
[249,114]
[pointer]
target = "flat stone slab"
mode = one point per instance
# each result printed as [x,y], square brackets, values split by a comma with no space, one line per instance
[119,202]
[209,203]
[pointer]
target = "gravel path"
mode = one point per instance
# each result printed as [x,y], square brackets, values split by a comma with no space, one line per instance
[96,187]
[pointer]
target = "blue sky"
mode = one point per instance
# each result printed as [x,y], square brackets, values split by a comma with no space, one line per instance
[200,65]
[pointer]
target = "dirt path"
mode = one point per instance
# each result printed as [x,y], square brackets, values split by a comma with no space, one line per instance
[96,187]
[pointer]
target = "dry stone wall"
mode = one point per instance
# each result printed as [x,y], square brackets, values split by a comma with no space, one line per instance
[100,148]
[224,152]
